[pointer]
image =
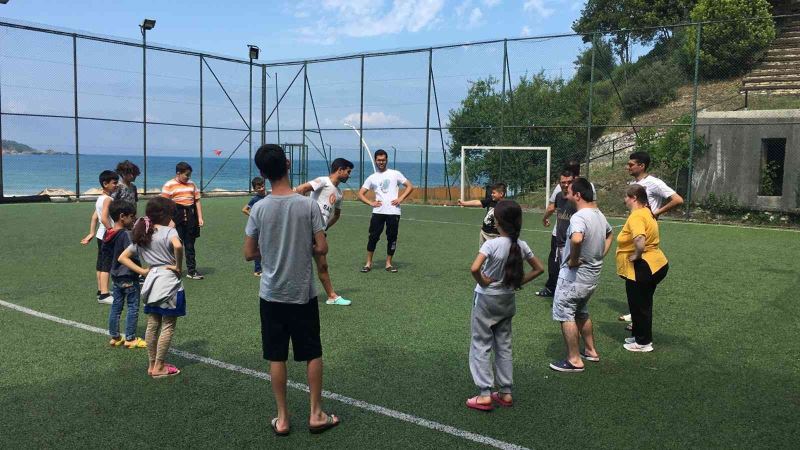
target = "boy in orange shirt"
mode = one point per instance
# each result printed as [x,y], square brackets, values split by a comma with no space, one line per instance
[188,214]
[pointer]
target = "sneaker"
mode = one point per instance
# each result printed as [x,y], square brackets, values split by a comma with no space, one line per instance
[105,299]
[256,274]
[625,318]
[338,301]
[136,343]
[634,347]
[195,275]
[630,340]
[545,293]
[565,366]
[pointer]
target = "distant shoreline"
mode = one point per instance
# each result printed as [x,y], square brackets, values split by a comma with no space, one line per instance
[7,152]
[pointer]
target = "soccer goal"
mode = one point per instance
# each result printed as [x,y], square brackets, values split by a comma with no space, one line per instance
[523,169]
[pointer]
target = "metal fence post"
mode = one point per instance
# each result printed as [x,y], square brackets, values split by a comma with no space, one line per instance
[201,124]
[693,133]
[263,104]
[144,106]
[250,132]
[428,124]
[591,101]
[75,98]
[502,110]
[305,95]
[2,189]
[361,130]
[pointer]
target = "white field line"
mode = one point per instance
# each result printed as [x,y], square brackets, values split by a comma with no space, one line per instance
[394,414]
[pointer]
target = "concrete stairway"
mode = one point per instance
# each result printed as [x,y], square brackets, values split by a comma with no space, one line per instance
[779,71]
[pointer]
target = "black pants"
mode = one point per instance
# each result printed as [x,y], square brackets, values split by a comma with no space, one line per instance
[187,233]
[640,300]
[553,265]
[376,224]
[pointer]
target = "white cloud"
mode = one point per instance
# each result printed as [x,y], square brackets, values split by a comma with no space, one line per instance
[475,18]
[375,119]
[491,3]
[539,7]
[364,18]
[526,31]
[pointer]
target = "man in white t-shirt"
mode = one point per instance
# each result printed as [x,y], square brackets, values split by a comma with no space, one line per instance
[385,209]
[325,191]
[660,197]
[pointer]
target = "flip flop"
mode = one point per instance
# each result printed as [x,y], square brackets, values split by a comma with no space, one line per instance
[391,269]
[472,403]
[274,424]
[366,269]
[499,400]
[116,342]
[171,372]
[590,358]
[331,422]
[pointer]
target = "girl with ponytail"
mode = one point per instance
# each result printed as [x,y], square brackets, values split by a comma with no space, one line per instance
[498,270]
[158,245]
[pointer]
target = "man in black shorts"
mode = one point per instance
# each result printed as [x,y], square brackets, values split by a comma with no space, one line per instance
[285,230]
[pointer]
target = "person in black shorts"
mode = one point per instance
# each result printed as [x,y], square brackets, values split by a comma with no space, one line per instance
[285,230]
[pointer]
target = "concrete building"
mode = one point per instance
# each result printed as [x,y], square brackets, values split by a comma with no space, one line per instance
[751,155]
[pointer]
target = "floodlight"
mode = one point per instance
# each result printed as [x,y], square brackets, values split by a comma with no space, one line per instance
[253,51]
[148,24]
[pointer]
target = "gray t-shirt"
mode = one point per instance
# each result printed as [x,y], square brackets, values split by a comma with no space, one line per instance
[594,226]
[284,226]
[160,251]
[496,251]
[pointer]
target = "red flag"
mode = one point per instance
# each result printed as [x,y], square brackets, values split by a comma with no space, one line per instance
[218,152]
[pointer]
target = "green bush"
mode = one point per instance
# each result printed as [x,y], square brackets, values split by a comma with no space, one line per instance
[669,150]
[730,47]
[651,86]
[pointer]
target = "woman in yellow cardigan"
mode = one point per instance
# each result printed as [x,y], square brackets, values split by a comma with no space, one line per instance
[642,264]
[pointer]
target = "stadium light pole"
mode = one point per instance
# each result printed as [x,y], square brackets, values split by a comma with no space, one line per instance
[147,24]
[253,54]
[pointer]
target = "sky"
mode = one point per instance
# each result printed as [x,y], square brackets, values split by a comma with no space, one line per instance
[36,69]
[304,28]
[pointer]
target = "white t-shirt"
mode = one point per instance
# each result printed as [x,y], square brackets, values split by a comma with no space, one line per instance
[386,186]
[327,195]
[553,200]
[657,191]
[496,252]
[98,207]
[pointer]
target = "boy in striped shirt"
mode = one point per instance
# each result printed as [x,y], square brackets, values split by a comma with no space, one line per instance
[188,214]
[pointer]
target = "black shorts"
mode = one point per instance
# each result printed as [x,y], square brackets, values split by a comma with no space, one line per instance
[282,321]
[105,256]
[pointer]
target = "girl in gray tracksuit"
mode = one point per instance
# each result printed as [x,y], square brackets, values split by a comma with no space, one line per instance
[498,269]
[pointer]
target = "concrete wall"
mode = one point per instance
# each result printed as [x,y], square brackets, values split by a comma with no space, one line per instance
[732,163]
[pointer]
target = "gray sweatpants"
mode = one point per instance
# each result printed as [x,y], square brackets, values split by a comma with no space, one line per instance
[491,331]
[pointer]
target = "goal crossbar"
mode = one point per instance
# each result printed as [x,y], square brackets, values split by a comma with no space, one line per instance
[464,148]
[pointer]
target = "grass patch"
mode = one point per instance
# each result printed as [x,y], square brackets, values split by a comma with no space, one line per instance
[720,376]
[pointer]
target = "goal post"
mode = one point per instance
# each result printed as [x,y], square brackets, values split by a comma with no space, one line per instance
[465,148]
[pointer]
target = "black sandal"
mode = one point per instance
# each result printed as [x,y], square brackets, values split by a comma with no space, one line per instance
[366,269]
[391,269]
[274,424]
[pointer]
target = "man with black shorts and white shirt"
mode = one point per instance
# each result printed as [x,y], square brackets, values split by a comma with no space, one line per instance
[385,209]
[325,191]
[285,231]
[660,197]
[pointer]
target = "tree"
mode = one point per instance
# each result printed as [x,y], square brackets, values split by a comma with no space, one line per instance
[604,63]
[632,21]
[729,46]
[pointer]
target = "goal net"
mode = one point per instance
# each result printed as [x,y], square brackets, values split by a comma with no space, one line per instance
[524,170]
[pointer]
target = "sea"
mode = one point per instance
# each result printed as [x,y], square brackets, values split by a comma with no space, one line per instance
[31,174]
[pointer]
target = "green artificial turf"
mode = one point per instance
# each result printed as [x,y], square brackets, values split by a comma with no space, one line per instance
[725,372]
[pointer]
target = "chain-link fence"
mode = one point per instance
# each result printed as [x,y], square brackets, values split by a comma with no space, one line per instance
[714,103]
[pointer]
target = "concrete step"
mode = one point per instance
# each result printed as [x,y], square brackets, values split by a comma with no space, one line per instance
[782,58]
[762,72]
[790,34]
[782,51]
[786,87]
[771,79]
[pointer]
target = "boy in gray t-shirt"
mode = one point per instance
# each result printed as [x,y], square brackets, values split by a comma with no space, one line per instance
[285,231]
[588,241]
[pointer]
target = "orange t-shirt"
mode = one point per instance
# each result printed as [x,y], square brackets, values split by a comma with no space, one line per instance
[185,194]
